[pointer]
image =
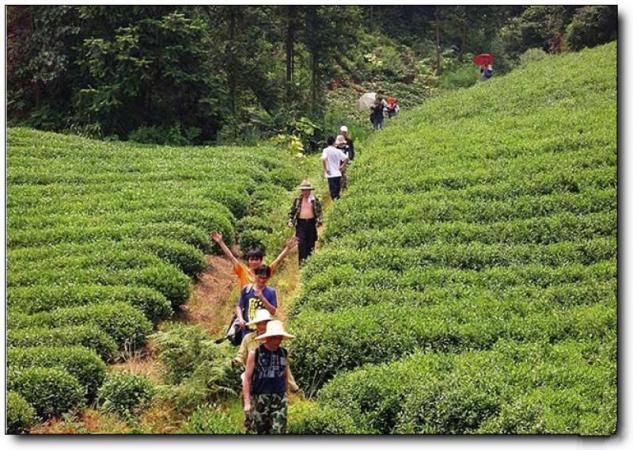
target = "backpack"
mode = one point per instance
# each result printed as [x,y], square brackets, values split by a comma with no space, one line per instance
[234,334]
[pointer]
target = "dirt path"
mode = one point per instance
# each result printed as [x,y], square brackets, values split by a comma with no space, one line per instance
[209,305]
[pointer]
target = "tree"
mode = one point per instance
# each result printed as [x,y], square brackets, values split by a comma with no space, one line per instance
[592,25]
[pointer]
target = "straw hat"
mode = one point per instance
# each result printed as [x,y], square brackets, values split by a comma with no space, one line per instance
[340,139]
[275,328]
[261,315]
[306,186]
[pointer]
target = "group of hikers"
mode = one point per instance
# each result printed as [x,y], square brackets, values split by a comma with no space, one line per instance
[380,108]
[266,378]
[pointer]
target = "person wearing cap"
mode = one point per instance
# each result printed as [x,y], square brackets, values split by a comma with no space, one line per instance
[249,343]
[334,160]
[254,258]
[305,216]
[256,296]
[265,388]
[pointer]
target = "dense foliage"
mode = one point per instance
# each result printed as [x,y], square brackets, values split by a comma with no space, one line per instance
[125,394]
[194,74]
[469,279]
[104,240]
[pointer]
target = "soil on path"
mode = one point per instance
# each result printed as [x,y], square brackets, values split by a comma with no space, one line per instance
[209,306]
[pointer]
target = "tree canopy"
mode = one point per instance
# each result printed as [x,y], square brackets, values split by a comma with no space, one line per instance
[199,74]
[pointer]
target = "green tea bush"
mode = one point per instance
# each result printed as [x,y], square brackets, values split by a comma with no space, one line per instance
[162,277]
[208,420]
[125,394]
[44,298]
[496,278]
[173,230]
[81,335]
[329,342]
[124,324]
[51,391]
[85,365]
[502,390]
[308,418]
[20,415]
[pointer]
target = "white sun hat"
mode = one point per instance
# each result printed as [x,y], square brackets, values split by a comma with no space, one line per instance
[343,129]
[261,315]
[274,328]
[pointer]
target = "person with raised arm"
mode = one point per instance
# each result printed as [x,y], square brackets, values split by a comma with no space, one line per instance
[254,259]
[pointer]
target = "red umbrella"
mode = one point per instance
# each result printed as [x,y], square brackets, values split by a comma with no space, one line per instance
[483,59]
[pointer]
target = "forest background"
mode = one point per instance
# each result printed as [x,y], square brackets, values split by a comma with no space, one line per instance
[191,75]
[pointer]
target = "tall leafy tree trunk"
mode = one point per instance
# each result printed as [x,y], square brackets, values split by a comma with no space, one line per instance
[438,50]
[313,33]
[291,12]
[233,57]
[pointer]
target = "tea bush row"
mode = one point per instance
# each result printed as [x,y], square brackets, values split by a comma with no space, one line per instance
[514,388]
[46,298]
[164,278]
[184,256]
[126,325]
[569,294]
[549,230]
[87,336]
[419,278]
[472,255]
[82,363]
[382,211]
[327,343]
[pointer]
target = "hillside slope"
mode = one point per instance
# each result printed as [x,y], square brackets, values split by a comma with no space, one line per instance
[105,241]
[471,267]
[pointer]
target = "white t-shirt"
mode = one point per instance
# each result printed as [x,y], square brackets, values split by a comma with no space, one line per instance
[333,158]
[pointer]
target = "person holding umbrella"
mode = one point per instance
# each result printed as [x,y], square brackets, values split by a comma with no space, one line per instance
[484,61]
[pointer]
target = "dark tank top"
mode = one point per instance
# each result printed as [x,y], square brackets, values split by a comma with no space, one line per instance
[270,367]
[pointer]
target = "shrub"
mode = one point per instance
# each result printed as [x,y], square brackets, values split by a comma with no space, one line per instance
[20,415]
[45,298]
[310,418]
[125,324]
[125,394]
[208,420]
[80,362]
[532,55]
[161,277]
[591,26]
[81,335]
[51,391]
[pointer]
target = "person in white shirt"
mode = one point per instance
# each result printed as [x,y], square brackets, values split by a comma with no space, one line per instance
[334,160]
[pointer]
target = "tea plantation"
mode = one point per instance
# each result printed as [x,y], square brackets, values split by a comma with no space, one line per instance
[468,281]
[105,240]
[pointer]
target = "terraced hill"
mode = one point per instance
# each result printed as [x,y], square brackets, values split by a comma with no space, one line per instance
[104,242]
[469,279]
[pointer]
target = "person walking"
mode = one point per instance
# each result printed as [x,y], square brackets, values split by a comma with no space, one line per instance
[265,388]
[333,161]
[250,343]
[305,216]
[377,113]
[341,144]
[349,150]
